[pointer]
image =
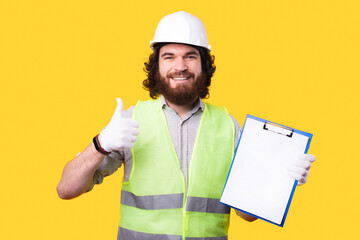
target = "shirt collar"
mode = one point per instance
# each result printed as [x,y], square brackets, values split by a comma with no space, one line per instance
[199,104]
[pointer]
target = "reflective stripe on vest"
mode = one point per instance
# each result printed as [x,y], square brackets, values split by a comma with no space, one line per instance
[153,202]
[209,205]
[169,201]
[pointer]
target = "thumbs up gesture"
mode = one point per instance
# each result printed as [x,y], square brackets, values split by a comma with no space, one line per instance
[120,133]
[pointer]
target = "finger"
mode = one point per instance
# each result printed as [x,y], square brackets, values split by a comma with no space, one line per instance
[301,179]
[134,131]
[303,164]
[134,123]
[307,157]
[297,170]
[119,107]
[296,176]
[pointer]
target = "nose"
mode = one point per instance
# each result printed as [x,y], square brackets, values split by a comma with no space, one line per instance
[180,64]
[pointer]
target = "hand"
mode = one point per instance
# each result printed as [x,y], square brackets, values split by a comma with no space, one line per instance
[299,169]
[120,133]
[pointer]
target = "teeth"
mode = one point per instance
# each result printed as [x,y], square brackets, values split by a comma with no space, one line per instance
[179,79]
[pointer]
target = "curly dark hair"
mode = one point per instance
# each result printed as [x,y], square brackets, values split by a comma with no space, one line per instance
[152,66]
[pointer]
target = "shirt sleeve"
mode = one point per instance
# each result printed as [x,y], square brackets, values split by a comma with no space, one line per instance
[237,131]
[111,162]
[108,166]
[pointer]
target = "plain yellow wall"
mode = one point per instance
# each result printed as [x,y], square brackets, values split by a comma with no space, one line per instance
[63,63]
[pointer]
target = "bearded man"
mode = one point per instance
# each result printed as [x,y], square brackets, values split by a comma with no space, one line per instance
[176,149]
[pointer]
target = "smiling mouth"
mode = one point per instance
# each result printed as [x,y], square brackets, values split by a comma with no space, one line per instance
[180,78]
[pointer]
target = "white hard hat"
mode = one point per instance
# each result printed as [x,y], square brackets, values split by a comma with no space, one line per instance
[181,27]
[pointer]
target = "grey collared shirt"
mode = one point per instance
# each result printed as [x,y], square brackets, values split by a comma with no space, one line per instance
[182,132]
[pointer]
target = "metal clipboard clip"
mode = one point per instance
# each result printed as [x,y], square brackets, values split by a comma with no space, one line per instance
[276,128]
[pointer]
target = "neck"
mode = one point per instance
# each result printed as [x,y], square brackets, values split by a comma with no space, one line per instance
[182,110]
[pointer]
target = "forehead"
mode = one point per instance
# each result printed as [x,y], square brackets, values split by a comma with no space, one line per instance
[176,48]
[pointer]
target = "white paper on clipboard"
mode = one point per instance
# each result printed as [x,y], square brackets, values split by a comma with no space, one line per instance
[258,182]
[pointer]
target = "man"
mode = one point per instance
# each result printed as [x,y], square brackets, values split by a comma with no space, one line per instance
[176,149]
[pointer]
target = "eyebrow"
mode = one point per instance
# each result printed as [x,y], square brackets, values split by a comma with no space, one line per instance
[186,54]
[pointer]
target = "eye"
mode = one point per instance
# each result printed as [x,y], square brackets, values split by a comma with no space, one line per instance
[191,57]
[168,58]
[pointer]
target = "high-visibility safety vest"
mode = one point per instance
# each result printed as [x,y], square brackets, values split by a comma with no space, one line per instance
[155,204]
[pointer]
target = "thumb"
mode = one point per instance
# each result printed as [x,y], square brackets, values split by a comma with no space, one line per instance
[119,107]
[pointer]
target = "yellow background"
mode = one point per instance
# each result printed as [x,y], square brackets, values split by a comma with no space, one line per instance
[62,63]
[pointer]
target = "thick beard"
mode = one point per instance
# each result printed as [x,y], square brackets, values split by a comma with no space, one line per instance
[183,94]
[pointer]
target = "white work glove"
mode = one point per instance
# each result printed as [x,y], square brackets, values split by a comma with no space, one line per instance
[300,167]
[120,133]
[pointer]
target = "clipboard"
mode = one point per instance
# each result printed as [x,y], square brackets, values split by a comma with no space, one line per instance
[258,182]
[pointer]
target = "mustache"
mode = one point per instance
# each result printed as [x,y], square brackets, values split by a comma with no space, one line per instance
[185,74]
